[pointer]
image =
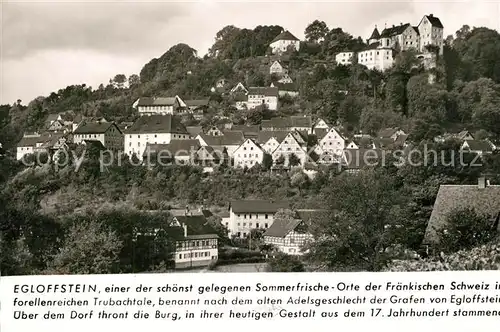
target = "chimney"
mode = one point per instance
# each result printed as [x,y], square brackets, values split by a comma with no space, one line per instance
[482,182]
[393,26]
[431,15]
[185,228]
[400,23]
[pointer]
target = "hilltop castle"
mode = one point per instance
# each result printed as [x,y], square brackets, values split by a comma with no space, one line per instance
[382,47]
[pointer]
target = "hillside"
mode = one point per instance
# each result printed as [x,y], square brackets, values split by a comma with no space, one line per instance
[464,93]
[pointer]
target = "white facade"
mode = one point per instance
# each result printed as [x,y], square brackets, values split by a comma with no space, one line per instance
[410,39]
[79,138]
[195,252]
[332,142]
[248,154]
[136,142]
[285,79]
[276,68]
[321,124]
[22,151]
[257,100]
[240,224]
[344,58]
[230,148]
[352,146]
[290,145]
[282,45]
[271,145]
[430,35]
[377,58]
[291,244]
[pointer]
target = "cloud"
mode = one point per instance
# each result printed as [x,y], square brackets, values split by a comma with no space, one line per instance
[109,27]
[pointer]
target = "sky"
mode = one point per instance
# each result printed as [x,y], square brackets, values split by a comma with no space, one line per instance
[46,46]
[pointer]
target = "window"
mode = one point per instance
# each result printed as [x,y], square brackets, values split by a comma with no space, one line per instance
[244,216]
[265,225]
[180,256]
[266,216]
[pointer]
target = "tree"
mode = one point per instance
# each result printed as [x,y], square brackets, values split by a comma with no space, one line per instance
[119,81]
[285,263]
[299,180]
[465,229]
[316,31]
[88,249]
[134,80]
[293,160]
[267,161]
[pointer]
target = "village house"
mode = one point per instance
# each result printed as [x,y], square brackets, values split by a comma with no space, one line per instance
[229,141]
[479,147]
[214,131]
[390,133]
[263,96]
[249,131]
[107,133]
[153,129]
[209,156]
[286,89]
[177,151]
[196,107]
[483,198]
[194,130]
[283,42]
[277,68]
[377,57]
[290,236]
[240,101]
[33,143]
[196,242]
[330,141]
[292,144]
[245,215]
[320,124]
[464,135]
[239,89]
[248,154]
[270,140]
[344,58]
[285,79]
[302,123]
[159,106]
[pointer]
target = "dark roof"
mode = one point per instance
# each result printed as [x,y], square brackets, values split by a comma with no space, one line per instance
[476,145]
[52,117]
[387,132]
[285,35]
[94,128]
[258,206]
[265,136]
[383,143]
[197,102]
[286,86]
[320,133]
[288,122]
[157,124]
[176,147]
[394,31]
[151,101]
[246,129]
[197,226]
[194,130]
[229,138]
[310,216]
[265,91]
[435,22]
[281,227]
[44,138]
[94,143]
[375,34]
[240,97]
[456,197]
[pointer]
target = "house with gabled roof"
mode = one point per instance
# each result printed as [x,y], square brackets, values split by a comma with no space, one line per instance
[390,133]
[330,141]
[482,198]
[108,133]
[286,89]
[293,144]
[32,143]
[283,42]
[239,89]
[228,141]
[320,124]
[302,123]
[194,130]
[208,156]
[479,147]
[285,79]
[263,96]
[248,154]
[249,131]
[270,140]
[153,129]
[248,214]
[344,58]
[159,105]
[290,236]
[277,68]
[196,241]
